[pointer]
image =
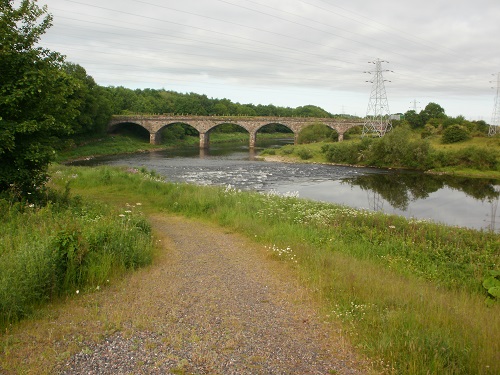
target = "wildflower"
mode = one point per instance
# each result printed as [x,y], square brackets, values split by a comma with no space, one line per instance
[121,215]
[138,204]
[392,226]
[97,287]
[128,211]
[77,292]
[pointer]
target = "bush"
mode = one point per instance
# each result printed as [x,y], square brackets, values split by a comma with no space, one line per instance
[268,151]
[304,153]
[455,133]
[317,133]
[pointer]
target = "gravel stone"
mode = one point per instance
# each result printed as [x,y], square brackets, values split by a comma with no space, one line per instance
[222,306]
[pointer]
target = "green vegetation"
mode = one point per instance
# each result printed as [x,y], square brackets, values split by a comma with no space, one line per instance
[317,133]
[455,133]
[410,294]
[42,99]
[66,246]
[105,145]
[404,148]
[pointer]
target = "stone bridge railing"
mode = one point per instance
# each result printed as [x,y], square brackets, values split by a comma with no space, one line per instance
[204,124]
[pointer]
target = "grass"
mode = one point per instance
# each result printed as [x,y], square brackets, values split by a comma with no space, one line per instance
[52,251]
[408,293]
[107,145]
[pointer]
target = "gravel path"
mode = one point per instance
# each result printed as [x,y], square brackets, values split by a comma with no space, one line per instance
[221,306]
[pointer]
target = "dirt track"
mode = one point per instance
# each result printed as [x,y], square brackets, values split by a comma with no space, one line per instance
[214,303]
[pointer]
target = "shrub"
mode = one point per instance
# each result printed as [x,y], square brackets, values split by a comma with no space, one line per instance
[317,133]
[455,133]
[287,150]
[304,153]
[268,151]
[428,131]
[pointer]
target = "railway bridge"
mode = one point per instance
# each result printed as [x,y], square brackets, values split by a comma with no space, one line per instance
[205,124]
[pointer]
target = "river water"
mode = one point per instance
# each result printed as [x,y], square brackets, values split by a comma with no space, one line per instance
[450,200]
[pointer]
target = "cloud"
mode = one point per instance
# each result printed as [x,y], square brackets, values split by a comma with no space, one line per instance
[288,52]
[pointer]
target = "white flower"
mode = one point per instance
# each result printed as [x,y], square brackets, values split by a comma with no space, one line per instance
[77,291]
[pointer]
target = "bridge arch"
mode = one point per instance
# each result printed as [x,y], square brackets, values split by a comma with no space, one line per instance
[130,127]
[162,130]
[204,124]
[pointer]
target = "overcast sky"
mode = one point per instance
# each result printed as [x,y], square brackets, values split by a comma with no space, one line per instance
[290,52]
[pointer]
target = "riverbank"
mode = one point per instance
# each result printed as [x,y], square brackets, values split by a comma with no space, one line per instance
[116,144]
[402,291]
[480,158]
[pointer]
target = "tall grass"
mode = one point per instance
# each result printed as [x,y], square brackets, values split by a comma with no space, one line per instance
[62,248]
[408,293]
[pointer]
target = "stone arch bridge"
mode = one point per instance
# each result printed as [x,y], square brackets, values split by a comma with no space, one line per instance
[204,124]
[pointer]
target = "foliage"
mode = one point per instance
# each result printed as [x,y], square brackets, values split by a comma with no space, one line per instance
[396,149]
[304,153]
[432,111]
[126,101]
[492,285]
[65,246]
[469,157]
[428,131]
[95,108]
[317,133]
[414,119]
[455,133]
[41,100]
[32,88]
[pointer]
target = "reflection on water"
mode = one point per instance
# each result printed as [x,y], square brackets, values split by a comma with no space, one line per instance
[456,194]
[400,188]
[452,200]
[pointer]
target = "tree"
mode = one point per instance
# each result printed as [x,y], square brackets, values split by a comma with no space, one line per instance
[432,110]
[414,119]
[95,108]
[36,103]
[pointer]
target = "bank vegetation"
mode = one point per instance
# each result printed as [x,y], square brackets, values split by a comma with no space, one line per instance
[408,293]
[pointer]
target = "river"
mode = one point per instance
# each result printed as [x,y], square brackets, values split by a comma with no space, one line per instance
[450,200]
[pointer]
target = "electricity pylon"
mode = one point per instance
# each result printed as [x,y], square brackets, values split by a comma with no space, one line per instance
[378,116]
[495,117]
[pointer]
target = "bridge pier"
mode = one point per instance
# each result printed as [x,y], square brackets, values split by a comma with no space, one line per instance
[253,139]
[341,136]
[154,138]
[204,140]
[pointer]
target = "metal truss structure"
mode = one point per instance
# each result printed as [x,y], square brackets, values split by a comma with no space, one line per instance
[378,116]
[495,117]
